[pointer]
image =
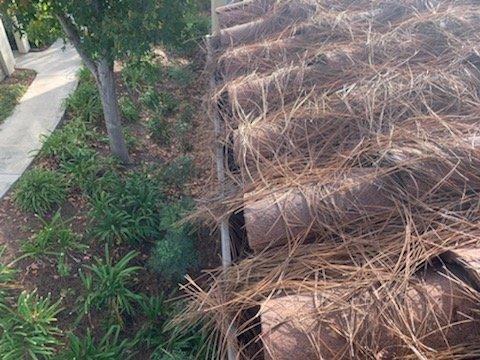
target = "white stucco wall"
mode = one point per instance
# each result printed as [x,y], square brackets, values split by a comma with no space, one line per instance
[7,61]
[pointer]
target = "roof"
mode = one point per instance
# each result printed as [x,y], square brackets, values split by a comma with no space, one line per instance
[353,130]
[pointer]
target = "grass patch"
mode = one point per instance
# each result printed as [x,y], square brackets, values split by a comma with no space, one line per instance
[12,89]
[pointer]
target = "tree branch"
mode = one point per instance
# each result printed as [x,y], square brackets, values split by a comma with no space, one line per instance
[74,37]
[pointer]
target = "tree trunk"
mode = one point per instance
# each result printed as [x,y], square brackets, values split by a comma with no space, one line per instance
[111,111]
[103,74]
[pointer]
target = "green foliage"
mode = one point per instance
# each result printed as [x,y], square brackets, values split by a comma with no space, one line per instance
[28,331]
[162,103]
[150,99]
[174,254]
[175,174]
[184,128]
[129,109]
[182,75]
[187,28]
[64,142]
[10,93]
[55,238]
[165,338]
[7,277]
[44,28]
[141,73]
[108,347]
[80,167]
[108,286]
[85,102]
[129,212]
[168,104]
[126,27]
[159,129]
[40,191]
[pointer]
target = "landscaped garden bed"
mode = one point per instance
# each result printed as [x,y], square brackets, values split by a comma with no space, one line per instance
[101,243]
[12,89]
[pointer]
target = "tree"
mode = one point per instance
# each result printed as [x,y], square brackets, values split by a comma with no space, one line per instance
[101,31]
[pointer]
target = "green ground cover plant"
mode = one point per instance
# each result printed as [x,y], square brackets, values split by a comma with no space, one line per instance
[109,284]
[40,191]
[11,90]
[28,329]
[55,239]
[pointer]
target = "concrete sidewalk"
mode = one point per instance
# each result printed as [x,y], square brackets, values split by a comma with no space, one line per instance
[39,111]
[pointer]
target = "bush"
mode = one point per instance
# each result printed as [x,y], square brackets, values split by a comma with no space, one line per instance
[187,30]
[150,99]
[40,191]
[108,347]
[165,337]
[141,73]
[178,172]
[55,238]
[108,286]
[175,253]
[182,75]
[85,102]
[9,96]
[64,142]
[129,212]
[159,130]
[7,277]
[80,166]
[44,29]
[162,103]
[28,331]
[184,128]
[129,109]
[168,104]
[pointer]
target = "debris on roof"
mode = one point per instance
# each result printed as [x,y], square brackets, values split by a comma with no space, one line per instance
[353,132]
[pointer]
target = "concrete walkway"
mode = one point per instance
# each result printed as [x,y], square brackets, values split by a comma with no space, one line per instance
[39,111]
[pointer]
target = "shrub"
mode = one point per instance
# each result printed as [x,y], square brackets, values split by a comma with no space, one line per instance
[175,253]
[7,276]
[184,128]
[168,339]
[150,99]
[111,223]
[130,138]
[178,172]
[108,286]
[9,96]
[108,347]
[182,75]
[162,103]
[63,142]
[168,104]
[129,212]
[188,28]
[40,191]
[164,337]
[129,109]
[44,29]
[80,166]
[55,238]
[27,331]
[85,102]
[159,129]
[141,72]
